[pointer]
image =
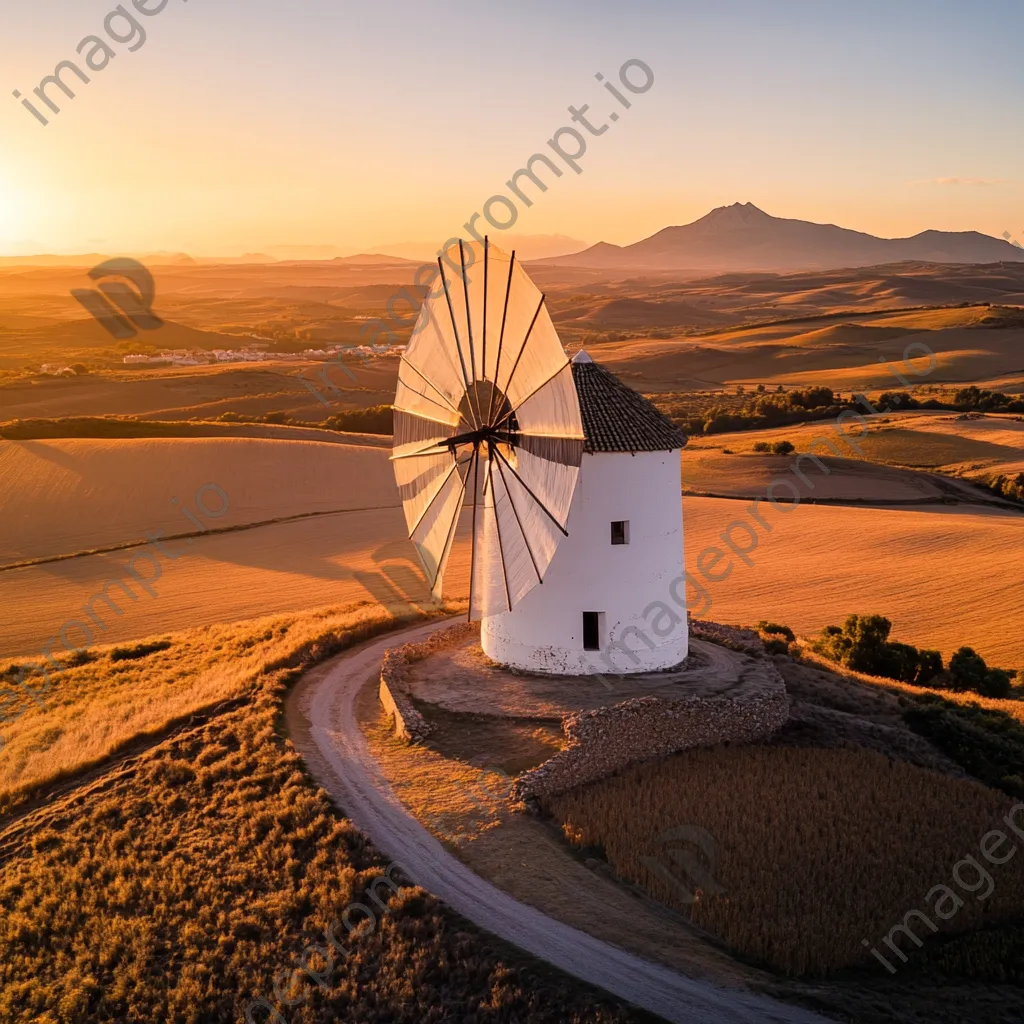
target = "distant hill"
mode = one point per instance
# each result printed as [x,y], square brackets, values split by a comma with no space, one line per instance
[743,238]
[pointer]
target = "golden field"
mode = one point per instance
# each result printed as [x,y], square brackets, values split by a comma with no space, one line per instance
[66,496]
[818,564]
[918,440]
[813,850]
[945,576]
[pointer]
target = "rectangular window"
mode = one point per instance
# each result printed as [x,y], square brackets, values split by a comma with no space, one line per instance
[592,631]
[620,531]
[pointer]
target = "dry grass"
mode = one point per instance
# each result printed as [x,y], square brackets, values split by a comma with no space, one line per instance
[815,850]
[180,886]
[94,710]
[1013,708]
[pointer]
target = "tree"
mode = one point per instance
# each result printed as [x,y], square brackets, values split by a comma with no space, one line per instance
[900,661]
[896,400]
[967,670]
[996,684]
[929,667]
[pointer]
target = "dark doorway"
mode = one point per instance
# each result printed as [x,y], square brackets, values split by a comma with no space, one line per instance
[591,631]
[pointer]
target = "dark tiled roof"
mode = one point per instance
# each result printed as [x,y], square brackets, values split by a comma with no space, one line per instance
[616,418]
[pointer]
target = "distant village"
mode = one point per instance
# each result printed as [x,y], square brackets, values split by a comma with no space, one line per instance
[205,357]
[199,357]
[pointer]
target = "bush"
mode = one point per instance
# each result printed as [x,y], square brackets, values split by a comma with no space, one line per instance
[783,448]
[762,446]
[862,643]
[988,744]
[138,650]
[967,670]
[378,419]
[996,684]
[896,401]
[929,667]
[901,661]
[774,627]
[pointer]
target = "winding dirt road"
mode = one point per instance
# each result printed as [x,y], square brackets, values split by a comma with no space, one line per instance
[322,723]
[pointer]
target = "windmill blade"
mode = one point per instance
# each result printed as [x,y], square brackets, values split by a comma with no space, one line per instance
[430,364]
[434,531]
[532,536]
[486,411]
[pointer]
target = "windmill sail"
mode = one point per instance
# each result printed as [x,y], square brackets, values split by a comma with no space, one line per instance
[486,419]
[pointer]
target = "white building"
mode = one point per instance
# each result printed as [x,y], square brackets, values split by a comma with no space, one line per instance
[606,592]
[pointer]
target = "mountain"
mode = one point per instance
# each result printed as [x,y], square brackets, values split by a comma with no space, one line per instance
[743,238]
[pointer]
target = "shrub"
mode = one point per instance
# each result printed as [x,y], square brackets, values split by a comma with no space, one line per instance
[378,419]
[900,661]
[138,650]
[996,684]
[896,400]
[989,744]
[762,446]
[783,448]
[967,670]
[859,644]
[774,627]
[929,667]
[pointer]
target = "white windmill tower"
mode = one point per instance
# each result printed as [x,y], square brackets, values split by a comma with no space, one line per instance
[549,455]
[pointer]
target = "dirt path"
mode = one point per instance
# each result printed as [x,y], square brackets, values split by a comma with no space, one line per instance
[322,724]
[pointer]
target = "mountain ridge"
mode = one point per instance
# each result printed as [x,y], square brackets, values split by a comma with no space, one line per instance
[742,237]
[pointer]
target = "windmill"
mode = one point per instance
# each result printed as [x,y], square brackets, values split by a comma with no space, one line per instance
[486,415]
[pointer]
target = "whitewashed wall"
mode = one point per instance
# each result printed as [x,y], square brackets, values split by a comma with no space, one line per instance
[588,573]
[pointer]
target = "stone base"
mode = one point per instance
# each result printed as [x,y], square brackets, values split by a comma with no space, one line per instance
[610,722]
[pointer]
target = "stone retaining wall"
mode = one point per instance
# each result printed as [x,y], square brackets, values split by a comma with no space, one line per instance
[736,638]
[410,725]
[609,739]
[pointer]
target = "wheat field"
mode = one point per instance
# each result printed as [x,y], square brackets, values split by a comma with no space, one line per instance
[946,577]
[66,496]
[811,851]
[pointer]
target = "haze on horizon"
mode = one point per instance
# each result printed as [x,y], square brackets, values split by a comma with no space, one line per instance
[239,127]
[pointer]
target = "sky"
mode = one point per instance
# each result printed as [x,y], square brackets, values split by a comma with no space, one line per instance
[243,124]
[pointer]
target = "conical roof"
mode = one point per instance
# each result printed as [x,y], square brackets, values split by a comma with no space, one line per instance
[615,417]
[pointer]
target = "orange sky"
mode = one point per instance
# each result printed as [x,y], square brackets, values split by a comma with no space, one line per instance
[243,125]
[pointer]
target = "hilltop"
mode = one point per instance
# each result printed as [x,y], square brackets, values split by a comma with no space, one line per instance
[742,237]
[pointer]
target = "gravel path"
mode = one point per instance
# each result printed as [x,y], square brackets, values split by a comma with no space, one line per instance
[323,726]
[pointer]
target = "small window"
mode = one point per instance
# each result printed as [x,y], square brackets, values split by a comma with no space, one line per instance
[592,631]
[620,531]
